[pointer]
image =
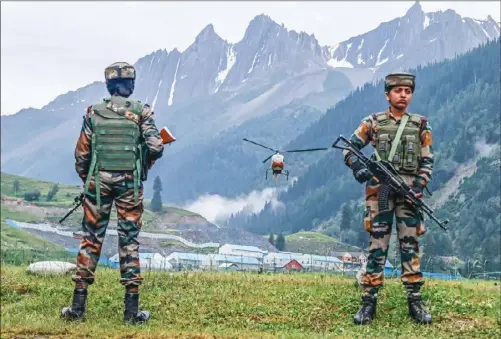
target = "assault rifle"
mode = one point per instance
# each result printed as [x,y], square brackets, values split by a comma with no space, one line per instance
[78,201]
[386,174]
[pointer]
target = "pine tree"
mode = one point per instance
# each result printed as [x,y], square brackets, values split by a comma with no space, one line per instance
[346,216]
[280,242]
[271,239]
[15,186]
[52,192]
[156,201]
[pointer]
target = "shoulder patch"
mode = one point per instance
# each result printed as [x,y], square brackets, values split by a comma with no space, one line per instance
[424,123]
[132,116]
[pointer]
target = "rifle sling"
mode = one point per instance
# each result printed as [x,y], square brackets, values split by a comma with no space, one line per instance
[395,142]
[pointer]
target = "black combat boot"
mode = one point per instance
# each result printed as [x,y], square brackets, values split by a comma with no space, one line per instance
[77,309]
[417,311]
[368,310]
[132,314]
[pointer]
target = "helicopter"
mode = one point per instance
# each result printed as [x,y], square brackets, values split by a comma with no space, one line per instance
[277,166]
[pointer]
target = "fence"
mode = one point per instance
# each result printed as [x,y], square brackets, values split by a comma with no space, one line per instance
[20,257]
[27,256]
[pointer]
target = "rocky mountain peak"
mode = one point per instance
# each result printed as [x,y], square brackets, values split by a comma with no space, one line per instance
[208,34]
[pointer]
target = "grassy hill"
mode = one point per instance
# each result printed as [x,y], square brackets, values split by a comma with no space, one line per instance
[64,198]
[13,239]
[19,247]
[171,220]
[244,305]
[315,243]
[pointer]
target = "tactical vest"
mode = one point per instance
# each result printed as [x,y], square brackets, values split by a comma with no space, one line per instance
[116,140]
[407,152]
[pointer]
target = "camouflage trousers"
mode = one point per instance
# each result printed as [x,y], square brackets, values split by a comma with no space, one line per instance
[379,225]
[117,187]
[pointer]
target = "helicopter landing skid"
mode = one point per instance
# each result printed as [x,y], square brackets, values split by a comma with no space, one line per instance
[286,172]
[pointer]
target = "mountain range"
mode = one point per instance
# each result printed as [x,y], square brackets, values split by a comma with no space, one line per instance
[271,87]
[461,99]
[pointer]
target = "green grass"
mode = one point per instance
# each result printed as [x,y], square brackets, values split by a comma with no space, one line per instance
[243,305]
[172,209]
[177,210]
[64,196]
[15,238]
[315,243]
[21,247]
[170,243]
[7,213]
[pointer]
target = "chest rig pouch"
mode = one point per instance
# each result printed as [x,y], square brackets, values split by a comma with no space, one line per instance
[399,142]
[116,140]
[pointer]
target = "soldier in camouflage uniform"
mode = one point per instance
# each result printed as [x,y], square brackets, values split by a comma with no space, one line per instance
[410,151]
[115,134]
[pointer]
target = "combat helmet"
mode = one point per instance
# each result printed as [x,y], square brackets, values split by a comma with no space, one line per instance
[120,70]
[399,79]
[120,78]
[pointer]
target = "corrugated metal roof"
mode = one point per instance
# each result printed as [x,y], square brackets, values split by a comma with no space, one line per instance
[226,264]
[148,255]
[116,257]
[279,255]
[323,258]
[189,256]
[235,259]
[245,248]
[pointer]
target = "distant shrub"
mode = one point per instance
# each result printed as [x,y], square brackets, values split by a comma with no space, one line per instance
[32,196]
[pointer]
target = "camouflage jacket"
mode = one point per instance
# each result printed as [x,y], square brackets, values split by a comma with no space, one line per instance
[150,133]
[363,136]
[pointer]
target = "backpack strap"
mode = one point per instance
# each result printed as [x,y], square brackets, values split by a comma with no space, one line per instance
[94,171]
[400,130]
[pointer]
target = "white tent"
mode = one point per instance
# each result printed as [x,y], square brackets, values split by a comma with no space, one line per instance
[51,267]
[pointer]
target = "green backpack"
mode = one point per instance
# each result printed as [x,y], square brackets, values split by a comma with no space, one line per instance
[116,141]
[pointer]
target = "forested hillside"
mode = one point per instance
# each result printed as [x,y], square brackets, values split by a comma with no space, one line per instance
[461,98]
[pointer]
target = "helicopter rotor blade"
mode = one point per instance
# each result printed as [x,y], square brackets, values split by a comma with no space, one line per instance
[255,143]
[308,150]
[265,160]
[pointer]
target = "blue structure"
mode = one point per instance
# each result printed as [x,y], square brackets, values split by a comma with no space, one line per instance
[102,260]
[442,276]
[388,268]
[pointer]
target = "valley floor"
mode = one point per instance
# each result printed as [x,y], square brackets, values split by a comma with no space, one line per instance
[243,305]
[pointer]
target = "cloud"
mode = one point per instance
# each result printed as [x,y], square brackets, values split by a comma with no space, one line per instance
[216,208]
[483,148]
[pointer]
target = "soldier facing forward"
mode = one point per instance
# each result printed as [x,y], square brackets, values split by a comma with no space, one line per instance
[109,157]
[405,138]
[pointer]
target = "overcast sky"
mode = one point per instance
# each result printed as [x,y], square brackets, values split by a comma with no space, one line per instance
[50,48]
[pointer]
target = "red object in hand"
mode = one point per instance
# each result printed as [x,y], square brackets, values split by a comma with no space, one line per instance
[166,136]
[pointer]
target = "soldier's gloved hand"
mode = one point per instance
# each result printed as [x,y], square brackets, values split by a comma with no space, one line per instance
[417,189]
[360,173]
